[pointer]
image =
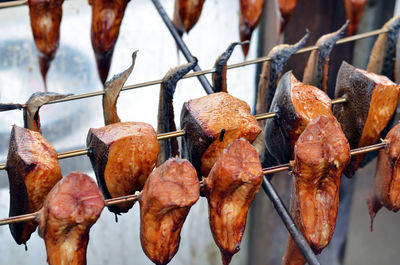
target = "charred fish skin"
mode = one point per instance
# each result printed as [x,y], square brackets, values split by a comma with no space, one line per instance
[386,187]
[316,71]
[111,93]
[70,210]
[371,102]
[166,120]
[321,154]
[122,156]
[186,14]
[45,17]
[34,103]
[250,14]
[32,169]
[382,59]
[271,71]
[230,189]
[219,76]
[295,105]
[106,21]
[169,193]
[354,10]
[211,123]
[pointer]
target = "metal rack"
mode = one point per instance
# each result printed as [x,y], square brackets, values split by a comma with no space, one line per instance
[200,74]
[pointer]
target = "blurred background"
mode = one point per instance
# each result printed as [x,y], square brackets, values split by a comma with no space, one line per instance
[66,125]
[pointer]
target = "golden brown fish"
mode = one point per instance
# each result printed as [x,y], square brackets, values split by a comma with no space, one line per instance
[354,10]
[250,14]
[186,14]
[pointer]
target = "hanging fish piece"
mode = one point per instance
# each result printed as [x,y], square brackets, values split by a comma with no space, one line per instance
[45,19]
[33,169]
[354,10]
[166,120]
[296,105]
[230,188]
[186,14]
[386,187]
[320,155]
[250,14]
[384,53]
[205,119]
[371,102]
[70,210]
[106,21]
[286,9]
[31,112]
[316,71]
[111,93]
[219,76]
[169,193]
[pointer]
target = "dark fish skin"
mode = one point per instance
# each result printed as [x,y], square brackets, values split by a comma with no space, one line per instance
[186,14]
[106,21]
[371,102]
[269,77]
[250,14]
[111,93]
[219,76]
[45,19]
[31,112]
[316,71]
[383,55]
[169,147]
[295,105]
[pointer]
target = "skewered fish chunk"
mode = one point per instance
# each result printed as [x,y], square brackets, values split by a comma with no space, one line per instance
[320,155]
[45,19]
[296,104]
[34,103]
[354,10]
[371,102]
[230,189]
[33,170]
[166,119]
[122,155]
[186,14]
[211,123]
[250,14]
[386,188]
[70,210]
[381,60]
[316,71]
[106,20]
[169,193]
[286,8]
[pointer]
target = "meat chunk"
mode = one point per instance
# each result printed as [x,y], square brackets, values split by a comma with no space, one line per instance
[169,193]
[296,104]
[250,14]
[106,20]
[386,188]
[316,71]
[211,123]
[230,189]
[33,170]
[70,210]
[122,155]
[45,22]
[320,155]
[286,8]
[371,102]
[354,10]
[186,14]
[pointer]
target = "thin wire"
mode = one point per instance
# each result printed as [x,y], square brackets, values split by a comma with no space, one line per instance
[136,197]
[212,70]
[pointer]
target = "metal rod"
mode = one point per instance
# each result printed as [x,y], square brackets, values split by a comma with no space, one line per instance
[212,70]
[294,231]
[182,46]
